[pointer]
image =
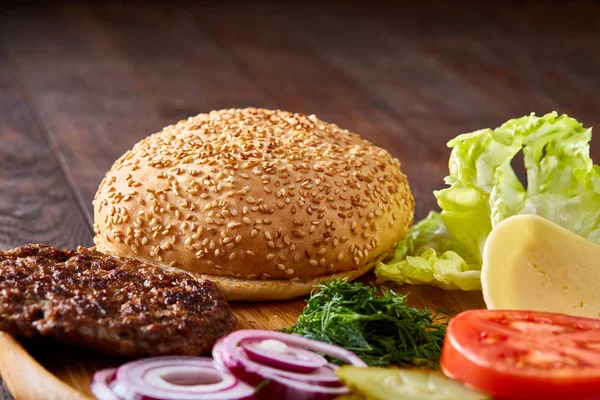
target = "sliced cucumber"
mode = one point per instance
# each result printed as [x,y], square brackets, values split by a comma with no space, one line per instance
[405,384]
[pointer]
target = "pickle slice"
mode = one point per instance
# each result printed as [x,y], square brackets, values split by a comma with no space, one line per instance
[405,384]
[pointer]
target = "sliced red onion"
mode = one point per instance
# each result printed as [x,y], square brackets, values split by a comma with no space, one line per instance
[289,389]
[281,356]
[100,386]
[171,378]
[285,383]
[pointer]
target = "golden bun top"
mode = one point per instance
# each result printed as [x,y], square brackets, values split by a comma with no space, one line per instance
[254,194]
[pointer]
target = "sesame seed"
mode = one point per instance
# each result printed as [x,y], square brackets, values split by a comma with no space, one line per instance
[281,267]
[289,271]
[313,262]
[299,233]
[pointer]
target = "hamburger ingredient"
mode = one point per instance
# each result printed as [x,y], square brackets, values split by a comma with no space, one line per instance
[406,384]
[169,378]
[279,355]
[100,385]
[264,203]
[530,263]
[524,354]
[563,186]
[439,263]
[375,324]
[282,372]
[114,305]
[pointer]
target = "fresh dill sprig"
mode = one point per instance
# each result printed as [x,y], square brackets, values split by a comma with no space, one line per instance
[375,324]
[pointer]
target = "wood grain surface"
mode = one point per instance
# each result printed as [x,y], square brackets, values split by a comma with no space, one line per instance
[80,83]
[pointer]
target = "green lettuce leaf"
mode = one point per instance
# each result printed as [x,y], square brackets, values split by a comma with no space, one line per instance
[563,186]
[437,261]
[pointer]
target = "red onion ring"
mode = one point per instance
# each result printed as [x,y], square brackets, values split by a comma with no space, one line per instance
[229,352]
[100,386]
[172,378]
[292,372]
[295,359]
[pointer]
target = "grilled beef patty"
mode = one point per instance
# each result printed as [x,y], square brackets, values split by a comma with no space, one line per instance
[113,305]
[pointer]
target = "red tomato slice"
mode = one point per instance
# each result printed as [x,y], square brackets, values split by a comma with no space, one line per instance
[524,354]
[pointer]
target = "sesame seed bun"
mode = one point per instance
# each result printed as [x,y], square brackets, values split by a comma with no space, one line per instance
[264,203]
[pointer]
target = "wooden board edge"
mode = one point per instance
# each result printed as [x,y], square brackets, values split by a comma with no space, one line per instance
[26,379]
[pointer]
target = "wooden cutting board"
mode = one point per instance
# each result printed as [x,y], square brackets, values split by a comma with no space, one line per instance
[44,369]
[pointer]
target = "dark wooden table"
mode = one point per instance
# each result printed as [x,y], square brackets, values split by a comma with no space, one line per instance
[81,83]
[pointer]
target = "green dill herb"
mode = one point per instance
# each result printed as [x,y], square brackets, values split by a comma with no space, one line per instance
[375,324]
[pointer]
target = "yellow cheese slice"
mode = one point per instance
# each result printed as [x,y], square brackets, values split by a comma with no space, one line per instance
[530,263]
